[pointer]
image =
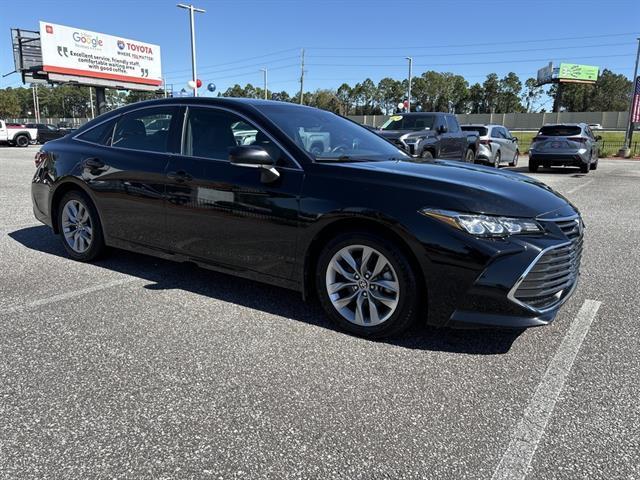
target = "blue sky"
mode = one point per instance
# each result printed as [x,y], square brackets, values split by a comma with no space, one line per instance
[349,40]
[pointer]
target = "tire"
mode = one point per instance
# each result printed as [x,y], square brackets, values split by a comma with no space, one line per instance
[84,242]
[514,162]
[496,159]
[585,167]
[398,309]
[594,165]
[22,141]
[427,155]
[533,166]
[470,156]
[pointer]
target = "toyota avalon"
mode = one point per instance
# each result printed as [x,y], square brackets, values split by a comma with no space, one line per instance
[308,200]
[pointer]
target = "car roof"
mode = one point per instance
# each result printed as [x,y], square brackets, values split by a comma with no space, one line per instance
[567,124]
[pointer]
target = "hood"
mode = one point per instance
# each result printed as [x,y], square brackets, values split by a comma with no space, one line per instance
[395,134]
[473,188]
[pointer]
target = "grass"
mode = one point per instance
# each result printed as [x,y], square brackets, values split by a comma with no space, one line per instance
[609,145]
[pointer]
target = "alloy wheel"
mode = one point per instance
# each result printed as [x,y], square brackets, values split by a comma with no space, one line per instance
[362,285]
[76,226]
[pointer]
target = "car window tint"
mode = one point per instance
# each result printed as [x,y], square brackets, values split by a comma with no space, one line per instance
[146,129]
[453,126]
[559,130]
[210,133]
[506,133]
[495,132]
[481,131]
[100,134]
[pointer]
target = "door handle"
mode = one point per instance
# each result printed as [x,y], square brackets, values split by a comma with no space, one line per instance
[179,176]
[94,164]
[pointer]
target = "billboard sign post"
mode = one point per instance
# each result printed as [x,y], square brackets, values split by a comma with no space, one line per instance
[108,60]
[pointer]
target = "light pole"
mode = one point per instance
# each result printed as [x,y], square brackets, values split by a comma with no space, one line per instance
[264,71]
[628,134]
[409,89]
[192,9]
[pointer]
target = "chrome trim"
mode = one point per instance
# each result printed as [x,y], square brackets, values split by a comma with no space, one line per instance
[560,219]
[187,105]
[511,295]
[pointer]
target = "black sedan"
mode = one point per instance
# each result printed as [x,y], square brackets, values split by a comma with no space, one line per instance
[307,200]
[48,132]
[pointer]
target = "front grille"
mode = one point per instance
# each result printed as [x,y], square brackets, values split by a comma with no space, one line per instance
[400,143]
[552,277]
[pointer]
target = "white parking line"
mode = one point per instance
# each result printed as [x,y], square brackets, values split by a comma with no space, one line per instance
[68,295]
[526,436]
[582,185]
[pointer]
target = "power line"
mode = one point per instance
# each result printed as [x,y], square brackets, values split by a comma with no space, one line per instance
[237,61]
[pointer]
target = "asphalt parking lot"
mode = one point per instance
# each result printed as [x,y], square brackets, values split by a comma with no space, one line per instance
[139,368]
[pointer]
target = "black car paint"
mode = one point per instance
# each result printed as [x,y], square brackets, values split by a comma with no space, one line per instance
[271,232]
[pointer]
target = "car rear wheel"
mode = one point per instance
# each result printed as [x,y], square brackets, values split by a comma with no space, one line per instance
[366,285]
[594,165]
[80,227]
[470,156]
[22,141]
[426,154]
[533,166]
[496,160]
[514,162]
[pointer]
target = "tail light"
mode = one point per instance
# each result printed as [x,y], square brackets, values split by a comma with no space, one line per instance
[538,139]
[40,158]
[485,142]
[577,139]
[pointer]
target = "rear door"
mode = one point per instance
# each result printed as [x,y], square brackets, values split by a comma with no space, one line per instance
[457,141]
[225,214]
[128,175]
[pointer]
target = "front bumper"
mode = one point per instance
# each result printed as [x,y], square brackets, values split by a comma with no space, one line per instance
[524,283]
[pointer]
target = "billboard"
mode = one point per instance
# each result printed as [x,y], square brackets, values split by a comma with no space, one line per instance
[572,71]
[82,53]
[545,74]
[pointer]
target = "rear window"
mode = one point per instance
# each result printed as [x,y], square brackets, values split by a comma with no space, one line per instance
[560,131]
[481,131]
[409,122]
[100,134]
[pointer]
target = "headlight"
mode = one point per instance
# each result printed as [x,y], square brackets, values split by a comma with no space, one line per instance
[413,140]
[484,225]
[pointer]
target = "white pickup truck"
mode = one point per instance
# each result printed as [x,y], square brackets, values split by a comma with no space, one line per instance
[17,135]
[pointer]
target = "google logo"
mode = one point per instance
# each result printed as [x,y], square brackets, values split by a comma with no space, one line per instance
[87,39]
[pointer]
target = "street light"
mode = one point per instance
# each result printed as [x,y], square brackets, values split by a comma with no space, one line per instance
[264,71]
[192,9]
[409,90]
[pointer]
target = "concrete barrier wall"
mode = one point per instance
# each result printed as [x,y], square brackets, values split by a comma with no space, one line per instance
[523,121]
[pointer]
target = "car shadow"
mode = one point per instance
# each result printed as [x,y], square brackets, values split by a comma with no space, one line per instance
[167,275]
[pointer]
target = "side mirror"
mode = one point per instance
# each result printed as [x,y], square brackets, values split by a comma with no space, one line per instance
[255,156]
[443,129]
[514,139]
[598,138]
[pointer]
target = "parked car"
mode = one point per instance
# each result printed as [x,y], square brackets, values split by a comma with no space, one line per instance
[47,131]
[17,134]
[496,145]
[380,238]
[428,135]
[566,144]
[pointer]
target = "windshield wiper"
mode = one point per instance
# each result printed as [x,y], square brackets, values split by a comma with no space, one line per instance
[342,158]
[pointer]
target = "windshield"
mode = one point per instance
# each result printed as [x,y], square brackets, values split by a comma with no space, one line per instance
[328,136]
[482,131]
[560,131]
[409,122]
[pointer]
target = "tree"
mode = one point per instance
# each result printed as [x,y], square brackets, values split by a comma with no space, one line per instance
[532,94]
[491,88]
[390,93]
[612,92]
[476,98]
[345,97]
[509,94]
[9,103]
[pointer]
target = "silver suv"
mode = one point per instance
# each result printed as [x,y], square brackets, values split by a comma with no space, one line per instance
[496,145]
[572,144]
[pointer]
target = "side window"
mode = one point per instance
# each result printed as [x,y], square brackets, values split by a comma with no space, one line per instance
[147,129]
[209,133]
[589,132]
[100,134]
[495,132]
[452,124]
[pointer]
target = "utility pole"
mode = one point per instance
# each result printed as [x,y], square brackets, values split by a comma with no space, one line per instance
[409,89]
[302,77]
[264,71]
[164,86]
[192,9]
[36,102]
[628,134]
[93,113]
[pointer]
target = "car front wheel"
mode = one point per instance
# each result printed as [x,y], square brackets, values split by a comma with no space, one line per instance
[470,156]
[366,285]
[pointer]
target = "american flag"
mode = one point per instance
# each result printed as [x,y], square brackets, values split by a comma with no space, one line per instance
[635,110]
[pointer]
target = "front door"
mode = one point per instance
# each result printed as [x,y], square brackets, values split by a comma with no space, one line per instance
[224,214]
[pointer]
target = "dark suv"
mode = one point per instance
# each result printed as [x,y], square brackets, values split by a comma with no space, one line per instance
[429,135]
[570,144]
[378,237]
